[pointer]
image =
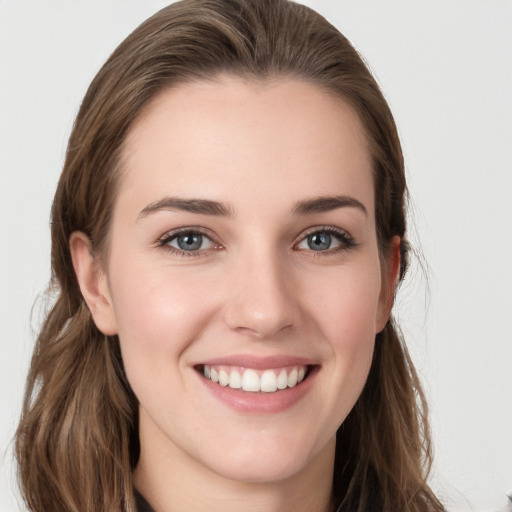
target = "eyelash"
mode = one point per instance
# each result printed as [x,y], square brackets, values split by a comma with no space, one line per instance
[346,241]
[166,239]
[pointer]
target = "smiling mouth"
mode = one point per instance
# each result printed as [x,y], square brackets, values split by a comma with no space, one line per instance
[253,380]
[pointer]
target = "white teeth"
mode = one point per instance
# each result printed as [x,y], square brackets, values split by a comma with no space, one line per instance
[223,378]
[235,380]
[250,381]
[268,381]
[282,380]
[292,378]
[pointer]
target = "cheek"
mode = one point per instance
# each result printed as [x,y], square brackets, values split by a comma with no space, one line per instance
[346,316]
[346,305]
[159,311]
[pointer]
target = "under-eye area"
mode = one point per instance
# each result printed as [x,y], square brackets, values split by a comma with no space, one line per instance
[256,380]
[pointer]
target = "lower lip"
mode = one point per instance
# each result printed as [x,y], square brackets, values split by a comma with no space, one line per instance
[261,402]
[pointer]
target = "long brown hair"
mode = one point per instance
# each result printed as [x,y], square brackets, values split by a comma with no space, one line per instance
[77,441]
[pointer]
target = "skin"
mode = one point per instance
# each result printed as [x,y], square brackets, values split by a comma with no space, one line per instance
[256,289]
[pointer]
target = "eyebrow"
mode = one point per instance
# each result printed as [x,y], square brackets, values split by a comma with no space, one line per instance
[217,209]
[201,206]
[327,203]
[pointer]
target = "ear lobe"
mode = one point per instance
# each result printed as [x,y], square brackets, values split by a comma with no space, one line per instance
[93,283]
[390,273]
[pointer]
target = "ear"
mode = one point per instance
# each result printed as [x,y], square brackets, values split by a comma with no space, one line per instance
[93,283]
[390,272]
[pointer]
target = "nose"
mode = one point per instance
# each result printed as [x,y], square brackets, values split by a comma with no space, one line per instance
[261,299]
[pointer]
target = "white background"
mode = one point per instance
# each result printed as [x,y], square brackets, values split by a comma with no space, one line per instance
[446,69]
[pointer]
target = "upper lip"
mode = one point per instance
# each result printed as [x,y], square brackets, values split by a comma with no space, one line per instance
[258,363]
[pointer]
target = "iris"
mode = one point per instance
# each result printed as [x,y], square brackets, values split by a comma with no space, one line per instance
[319,241]
[190,242]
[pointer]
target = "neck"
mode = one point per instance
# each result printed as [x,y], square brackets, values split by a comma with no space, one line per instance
[173,481]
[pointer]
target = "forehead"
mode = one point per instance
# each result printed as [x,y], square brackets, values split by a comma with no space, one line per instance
[230,138]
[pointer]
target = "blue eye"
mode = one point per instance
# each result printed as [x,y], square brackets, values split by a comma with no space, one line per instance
[326,240]
[188,241]
[319,241]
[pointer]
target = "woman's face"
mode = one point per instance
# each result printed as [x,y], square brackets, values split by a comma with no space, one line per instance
[243,250]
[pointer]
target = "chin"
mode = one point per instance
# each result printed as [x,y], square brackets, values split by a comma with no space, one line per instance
[252,464]
[260,471]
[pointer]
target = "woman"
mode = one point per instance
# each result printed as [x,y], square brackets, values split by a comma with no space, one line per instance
[227,235]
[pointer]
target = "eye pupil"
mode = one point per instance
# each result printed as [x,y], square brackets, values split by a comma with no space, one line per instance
[319,241]
[190,242]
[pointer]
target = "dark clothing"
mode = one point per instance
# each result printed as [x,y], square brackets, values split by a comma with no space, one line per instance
[142,504]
